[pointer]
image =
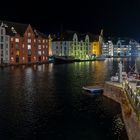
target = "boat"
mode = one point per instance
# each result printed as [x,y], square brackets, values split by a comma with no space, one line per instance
[116,77]
[101,58]
[63,59]
[93,90]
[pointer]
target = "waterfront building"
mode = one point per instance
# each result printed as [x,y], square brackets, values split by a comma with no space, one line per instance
[107,48]
[4,45]
[121,47]
[71,44]
[27,45]
[96,44]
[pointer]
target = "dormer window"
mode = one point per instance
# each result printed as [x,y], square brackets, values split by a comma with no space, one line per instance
[29,34]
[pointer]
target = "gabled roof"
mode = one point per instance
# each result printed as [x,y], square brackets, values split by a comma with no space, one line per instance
[12,28]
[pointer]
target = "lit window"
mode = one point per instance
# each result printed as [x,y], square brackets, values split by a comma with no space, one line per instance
[43,46]
[17,40]
[34,58]
[39,52]
[46,40]
[17,53]
[46,46]
[29,40]
[43,58]
[43,52]
[29,47]
[39,40]
[12,58]
[34,40]
[29,34]
[22,45]
[39,46]
[23,58]
[43,40]
[12,39]
[46,58]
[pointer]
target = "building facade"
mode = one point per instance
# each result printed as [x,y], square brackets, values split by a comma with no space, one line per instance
[26,44]
[4,45]
[79,46]
[121,47]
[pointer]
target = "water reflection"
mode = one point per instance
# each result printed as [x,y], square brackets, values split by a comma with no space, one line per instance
[47,101]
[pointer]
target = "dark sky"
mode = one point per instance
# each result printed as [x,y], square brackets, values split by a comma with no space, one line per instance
[116,17]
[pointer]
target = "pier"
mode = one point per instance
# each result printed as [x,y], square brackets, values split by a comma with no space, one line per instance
[124,93]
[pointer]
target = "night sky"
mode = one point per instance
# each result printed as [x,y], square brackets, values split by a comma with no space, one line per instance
[116,17]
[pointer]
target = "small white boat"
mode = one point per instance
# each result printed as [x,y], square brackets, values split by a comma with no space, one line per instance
[94,90]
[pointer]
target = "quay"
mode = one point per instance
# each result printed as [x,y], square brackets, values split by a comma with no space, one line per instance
[125,94]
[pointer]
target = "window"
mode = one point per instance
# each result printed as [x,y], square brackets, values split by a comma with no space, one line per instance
[17,47]
[17,40]
[46,46]
[2,39]
[43,46]
[29,47]
[6,52]
[39,46]
[23,46]
[39,52]
[6,46]
[29,52]
[17,53]
[1,46]
[12,39]
[12,59]
[29,34]
[34,40]
[39,40]
[43,40]
[23,58]
[43,52]
[29,41]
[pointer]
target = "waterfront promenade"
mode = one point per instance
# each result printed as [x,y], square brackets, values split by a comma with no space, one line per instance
[130,112]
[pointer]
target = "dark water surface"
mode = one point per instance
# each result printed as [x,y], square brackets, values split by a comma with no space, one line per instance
[47,102]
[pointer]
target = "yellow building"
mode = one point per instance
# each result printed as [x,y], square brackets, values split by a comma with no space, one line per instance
[96,45]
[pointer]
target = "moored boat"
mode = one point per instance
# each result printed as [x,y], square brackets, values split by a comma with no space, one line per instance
[63,59]
[93,90]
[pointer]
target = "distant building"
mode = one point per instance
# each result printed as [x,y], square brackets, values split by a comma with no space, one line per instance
[4,45]
[27,45]
[71,44]
[121,47]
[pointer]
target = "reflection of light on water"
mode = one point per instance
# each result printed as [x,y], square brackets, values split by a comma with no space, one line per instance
[118,125]
[50,67]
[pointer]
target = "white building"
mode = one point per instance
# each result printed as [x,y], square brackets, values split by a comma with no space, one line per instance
[4,45]
[71,44]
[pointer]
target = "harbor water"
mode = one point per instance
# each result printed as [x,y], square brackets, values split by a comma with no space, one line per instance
[47,102]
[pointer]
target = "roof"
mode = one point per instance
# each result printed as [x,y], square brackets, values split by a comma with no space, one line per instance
[12,28]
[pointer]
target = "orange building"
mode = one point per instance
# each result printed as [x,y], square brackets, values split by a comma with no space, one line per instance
[96,44]
[27,45]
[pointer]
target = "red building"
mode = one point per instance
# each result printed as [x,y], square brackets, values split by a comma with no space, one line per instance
[27,45]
